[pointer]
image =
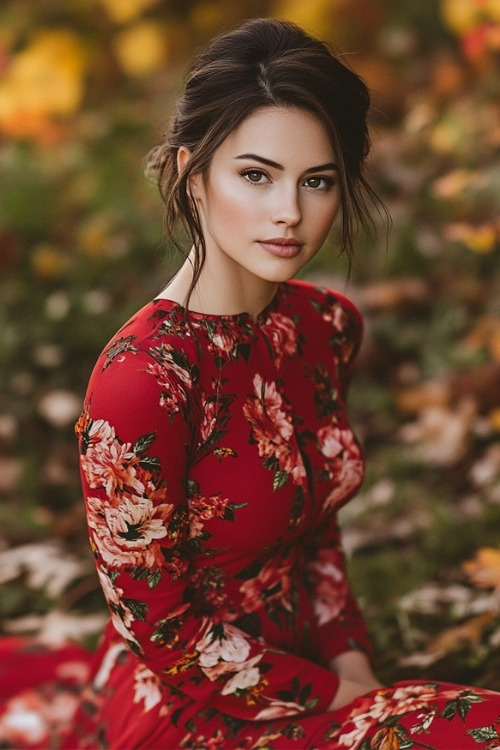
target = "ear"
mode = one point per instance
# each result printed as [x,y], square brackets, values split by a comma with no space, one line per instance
[183,157]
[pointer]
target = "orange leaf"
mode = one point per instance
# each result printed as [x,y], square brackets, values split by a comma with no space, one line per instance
[43,80]
[484,569]
[469,633]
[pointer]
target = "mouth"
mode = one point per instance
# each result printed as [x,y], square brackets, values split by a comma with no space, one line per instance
[282,247]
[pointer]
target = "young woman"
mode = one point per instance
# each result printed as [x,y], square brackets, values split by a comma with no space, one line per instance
[215,446]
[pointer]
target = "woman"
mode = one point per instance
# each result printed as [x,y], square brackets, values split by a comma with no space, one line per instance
[215,446]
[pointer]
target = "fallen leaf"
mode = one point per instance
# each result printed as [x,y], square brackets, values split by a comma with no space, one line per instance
[484,569]
[468,633]
[57,627]
[441,436]
[47,567]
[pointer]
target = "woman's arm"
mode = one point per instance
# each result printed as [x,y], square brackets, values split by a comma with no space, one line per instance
[134,438]
[356,678]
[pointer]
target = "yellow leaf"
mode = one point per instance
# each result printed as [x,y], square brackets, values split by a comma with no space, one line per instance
[48,262]
[44,79]
[480,239]
[452,184]
[123,11]
[447,136]
[461,15]
[484,569]
[95,237]
[492,8]
[142,49]
[494,419]
[315,16]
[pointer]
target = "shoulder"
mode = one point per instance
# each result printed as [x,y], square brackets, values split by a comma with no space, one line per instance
[321,306]
[151,353]
[158,323]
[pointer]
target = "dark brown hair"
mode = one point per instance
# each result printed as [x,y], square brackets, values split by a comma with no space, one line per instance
[263,63]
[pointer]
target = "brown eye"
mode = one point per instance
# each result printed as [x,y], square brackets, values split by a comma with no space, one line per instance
[254,175]
[319,182]
[313,182]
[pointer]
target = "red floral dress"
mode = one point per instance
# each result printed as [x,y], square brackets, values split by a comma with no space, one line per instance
[215,452]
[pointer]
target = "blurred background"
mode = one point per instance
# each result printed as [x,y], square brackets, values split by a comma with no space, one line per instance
[86,88]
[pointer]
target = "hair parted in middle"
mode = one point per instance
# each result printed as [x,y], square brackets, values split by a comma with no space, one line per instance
[264,63]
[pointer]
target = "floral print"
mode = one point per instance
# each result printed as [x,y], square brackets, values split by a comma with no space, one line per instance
[272,430]
[215,452]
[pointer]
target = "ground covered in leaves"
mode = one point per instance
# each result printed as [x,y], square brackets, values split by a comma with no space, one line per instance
[81,248]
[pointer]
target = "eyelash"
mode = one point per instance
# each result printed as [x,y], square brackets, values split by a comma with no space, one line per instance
[327,180]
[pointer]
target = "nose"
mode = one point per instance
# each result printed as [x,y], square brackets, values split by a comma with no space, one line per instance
[286,209]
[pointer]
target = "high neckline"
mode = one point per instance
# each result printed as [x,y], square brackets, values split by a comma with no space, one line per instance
[239,318]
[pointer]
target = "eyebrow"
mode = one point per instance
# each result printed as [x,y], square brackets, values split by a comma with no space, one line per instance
[275,165]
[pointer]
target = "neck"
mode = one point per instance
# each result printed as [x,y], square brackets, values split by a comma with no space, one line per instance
[218,296]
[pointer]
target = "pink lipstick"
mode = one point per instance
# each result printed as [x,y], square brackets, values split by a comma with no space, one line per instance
[283,247]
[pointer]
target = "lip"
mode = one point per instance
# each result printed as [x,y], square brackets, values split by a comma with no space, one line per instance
[283,247]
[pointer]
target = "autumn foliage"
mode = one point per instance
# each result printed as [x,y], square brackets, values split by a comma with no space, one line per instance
[85,90]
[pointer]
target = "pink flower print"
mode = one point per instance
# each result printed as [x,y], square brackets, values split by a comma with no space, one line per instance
[108,463]
[329,586]
[348,479]
[330,441]
[173,395]
[282,333]
[223,650]
[344,463]
[271,585]
[168,362]
[333,313]
[278,709]
[386,703]
[121,616]
[222,338]
[209,420]
[272,429]
[128,535]
[202,509]
[247,675]
[222,643]
[147,688]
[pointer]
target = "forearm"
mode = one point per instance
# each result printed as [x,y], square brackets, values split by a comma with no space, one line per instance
[356,666]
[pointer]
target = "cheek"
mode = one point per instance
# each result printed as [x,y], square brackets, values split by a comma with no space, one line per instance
[233,205]
[325,218]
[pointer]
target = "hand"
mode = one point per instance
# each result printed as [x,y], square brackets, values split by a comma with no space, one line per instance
[356,677]
[347,691]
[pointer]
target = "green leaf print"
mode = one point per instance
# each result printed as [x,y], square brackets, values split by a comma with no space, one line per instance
[460,706]
[484,734]
[137,608]
[154,579]
[280,479]
[151,463]
[144,442]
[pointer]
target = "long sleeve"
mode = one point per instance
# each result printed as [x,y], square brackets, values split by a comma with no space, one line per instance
[341,625]
[134,436]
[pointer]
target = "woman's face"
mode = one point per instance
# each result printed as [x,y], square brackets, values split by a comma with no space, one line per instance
[269,198]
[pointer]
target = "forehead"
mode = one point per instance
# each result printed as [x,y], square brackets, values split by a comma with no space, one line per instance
[283,134]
